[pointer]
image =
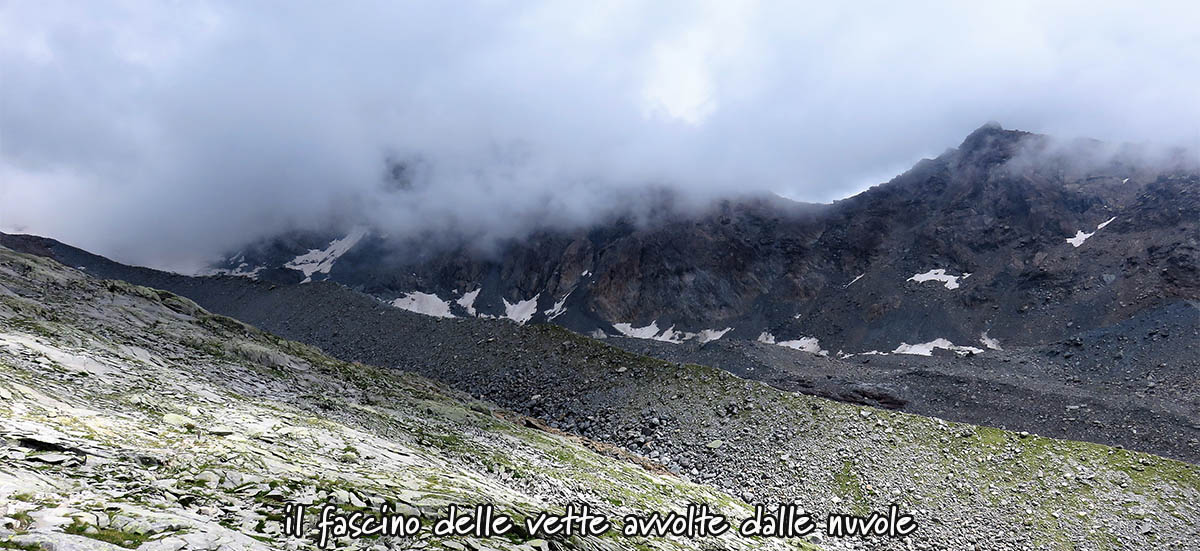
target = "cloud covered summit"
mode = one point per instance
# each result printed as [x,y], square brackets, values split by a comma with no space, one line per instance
[166,133]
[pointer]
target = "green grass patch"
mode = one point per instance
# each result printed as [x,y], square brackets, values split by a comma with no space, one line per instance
[848,487]
[128,540]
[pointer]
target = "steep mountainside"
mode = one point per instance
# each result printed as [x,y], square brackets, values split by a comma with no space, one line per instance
[132,416]
[1005,241]
[1132,384]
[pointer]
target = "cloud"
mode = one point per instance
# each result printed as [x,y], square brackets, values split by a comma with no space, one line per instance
[161,133]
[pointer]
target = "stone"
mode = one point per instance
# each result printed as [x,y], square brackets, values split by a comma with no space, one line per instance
[58,541]
[177,420]
[52,458]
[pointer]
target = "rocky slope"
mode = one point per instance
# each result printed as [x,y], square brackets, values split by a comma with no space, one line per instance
[1131,384]
[1008,240]
[131,418]
[282,417]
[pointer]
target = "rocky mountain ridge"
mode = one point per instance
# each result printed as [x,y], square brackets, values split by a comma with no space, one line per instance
[1008,240]
[1130,384]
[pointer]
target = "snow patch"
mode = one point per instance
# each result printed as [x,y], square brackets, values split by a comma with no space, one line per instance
[989,342]
[467,301]
[927,348]
[844,355]
[424,303]
[321,260]
[860,276]
[242,270]
[522,311]
[559,307]
[1081,236]
[647,332]
[672,336]
[806,344]
[938,274]
[709,335]
[669,334]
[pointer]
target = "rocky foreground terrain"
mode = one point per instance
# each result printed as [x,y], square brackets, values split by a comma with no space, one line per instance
[133,418]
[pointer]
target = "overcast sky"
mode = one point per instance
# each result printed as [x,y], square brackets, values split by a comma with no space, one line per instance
[161,132]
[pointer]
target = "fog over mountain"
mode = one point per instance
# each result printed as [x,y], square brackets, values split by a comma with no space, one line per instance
[166,134]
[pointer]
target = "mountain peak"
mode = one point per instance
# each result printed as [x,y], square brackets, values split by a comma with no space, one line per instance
[990,143]
[990,125]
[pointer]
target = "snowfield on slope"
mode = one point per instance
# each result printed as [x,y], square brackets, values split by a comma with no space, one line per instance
[467,301]
[424,303]
[320,261]
[559,307]
[989,342]
[1081,236]
[242,269]
[669,334]
[521,311]
[927,348]
[806,344]
[939,274]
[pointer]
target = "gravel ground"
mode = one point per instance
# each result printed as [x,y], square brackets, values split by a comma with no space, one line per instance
[966,484]
[1131,385]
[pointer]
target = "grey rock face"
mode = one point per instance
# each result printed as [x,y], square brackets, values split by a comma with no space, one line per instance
[999,217]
